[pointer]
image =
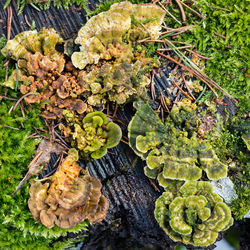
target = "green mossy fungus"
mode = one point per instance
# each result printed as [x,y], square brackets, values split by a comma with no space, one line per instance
[94,135]
[224,148]
[194,215]
[18,229]
[173,150]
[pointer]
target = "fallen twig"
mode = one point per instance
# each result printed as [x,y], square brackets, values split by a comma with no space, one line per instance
[115,119]
[163,7]
[154,185]
[183,15]
[218,8]
[116,106]
[5,126]
[201,56]
[219,35]
[203,77]
[187,87]
[61,139]
[152,86]
[194,11]
[181,47]
[124,141]
[150,41]
[9,10]
[13,107]
[8,98]
[62,144]
[182,91]
[185,28]
[27,176]
[163,103]
[26,20]
[59,159]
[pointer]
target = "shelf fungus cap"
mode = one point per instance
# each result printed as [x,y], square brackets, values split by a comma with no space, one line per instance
[146,20]
[168,149]
[96,134]
[33,41]
[38,194]
[146,125]
[104,33]
[194,215]
[210,162]
[68,197]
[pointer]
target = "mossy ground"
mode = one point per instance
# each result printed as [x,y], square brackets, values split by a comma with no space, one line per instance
[18,229]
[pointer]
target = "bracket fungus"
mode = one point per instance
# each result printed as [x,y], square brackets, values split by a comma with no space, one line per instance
[117,82]
[113,69]
[94,135]
[108,35]
[173,153]
[44,75]
[68,197]
[195,215]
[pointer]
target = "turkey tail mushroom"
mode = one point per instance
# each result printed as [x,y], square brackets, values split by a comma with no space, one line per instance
[68,197]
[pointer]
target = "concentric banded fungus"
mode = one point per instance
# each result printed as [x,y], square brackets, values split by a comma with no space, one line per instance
[168,150]
[95,135]
[108,34]
[68,198]
[194,215]
[145,122]
[27,42]
[41,71]
[117,82]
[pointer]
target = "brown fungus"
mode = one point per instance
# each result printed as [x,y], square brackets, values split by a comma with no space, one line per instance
[42,75]
[68,197]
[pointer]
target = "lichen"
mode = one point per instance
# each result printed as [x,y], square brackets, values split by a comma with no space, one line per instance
[194,215]
[94,135]
[173,150]
[68,197]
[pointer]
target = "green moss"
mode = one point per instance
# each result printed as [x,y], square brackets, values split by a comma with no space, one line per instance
[229,66]
[18,229]
[230,147]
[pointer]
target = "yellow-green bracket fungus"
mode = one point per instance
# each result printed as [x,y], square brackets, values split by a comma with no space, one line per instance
[26,47]
[116,71]
[171,154]
[94,135]
[109,34]
[194,215]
